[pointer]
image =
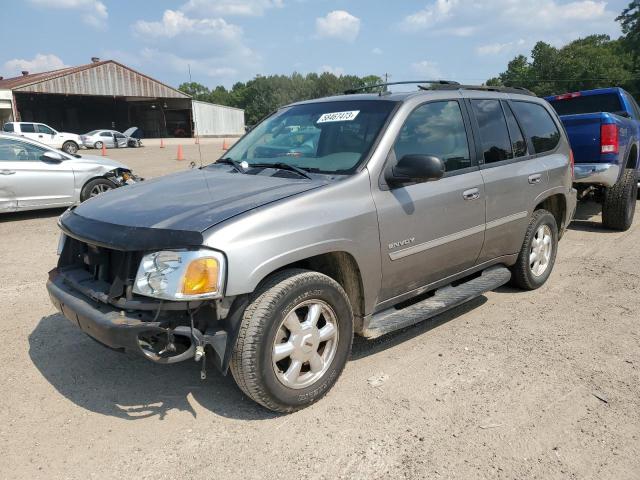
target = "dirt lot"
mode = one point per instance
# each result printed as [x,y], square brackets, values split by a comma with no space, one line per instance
[542,385]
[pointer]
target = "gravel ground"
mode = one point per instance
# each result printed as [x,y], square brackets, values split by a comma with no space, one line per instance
[542,384]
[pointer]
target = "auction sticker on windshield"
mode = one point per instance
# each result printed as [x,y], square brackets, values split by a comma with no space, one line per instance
[338,116]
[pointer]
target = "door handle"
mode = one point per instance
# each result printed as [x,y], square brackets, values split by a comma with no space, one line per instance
[472,194]
[7,172]
[535,178]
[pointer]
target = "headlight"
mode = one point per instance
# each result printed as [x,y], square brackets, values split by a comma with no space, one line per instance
[181,275]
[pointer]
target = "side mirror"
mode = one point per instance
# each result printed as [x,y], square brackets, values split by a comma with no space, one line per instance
[415,169]
[52,157]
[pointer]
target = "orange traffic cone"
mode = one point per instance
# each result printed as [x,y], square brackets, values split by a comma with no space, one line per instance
[180,155]
[104,150]
[225,145]
[161,143]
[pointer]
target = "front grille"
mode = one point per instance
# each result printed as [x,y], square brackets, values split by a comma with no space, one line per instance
[115,268]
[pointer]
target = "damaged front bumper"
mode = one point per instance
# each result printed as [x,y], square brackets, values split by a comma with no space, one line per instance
[130,325]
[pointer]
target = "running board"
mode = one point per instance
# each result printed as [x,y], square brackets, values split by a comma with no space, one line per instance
[444,299]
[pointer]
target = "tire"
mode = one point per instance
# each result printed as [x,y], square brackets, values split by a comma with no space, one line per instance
[619,203]
[525,274]
[97,145]
[70,147]
[96,187]
[289,296]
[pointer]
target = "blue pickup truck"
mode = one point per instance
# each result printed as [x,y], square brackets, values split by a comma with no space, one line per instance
[604,131]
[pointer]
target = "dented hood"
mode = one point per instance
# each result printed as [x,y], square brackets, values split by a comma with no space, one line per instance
[188,201]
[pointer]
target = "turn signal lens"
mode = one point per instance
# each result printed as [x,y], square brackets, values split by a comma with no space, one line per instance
[201,277]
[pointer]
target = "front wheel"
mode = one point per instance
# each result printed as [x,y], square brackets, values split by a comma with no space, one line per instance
[70,147]
[294,340]
[538,253]
[95,187]
[620,202]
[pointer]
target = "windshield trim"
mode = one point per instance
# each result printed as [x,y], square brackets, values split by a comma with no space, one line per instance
[366,156]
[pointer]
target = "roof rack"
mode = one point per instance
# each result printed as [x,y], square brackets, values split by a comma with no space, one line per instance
[408,82]
[484,88]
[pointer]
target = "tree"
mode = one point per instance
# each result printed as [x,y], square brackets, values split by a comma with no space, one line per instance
[196,90]
[630,22]
[591,62]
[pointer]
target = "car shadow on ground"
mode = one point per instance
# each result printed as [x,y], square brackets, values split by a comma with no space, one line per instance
[129,387]
[126,386]
[31,215]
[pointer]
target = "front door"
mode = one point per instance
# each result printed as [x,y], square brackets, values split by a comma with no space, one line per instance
[35,182]
[47,136]
[432,230]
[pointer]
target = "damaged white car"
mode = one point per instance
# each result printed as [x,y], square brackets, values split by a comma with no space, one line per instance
[35,176]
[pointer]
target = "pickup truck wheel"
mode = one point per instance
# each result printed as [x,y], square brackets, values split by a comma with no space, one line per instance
[294,340]
[95,187]
[538,253]
[619,203]
[70,147]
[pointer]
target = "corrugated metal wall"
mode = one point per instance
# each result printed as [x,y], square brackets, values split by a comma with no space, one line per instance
[110,79]
[217,120]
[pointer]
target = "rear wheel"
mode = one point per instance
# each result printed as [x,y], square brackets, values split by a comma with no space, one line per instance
[619,203]
[97,145]
[70,147]
[538,253]
[294,340]
[95,187]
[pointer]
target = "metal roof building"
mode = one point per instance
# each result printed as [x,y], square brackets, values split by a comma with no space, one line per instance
[103,94]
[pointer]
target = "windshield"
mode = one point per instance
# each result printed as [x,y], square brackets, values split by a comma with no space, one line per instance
[328,137]
[609,102]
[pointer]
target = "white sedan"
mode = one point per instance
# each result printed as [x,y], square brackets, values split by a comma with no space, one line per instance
[34,176]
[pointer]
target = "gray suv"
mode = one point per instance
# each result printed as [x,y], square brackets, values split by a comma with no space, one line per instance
[361,213]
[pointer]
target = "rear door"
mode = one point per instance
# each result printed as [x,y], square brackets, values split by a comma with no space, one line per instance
[513,176]
[28,130]
[34,181]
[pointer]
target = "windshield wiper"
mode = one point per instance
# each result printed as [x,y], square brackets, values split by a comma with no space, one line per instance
[229,161]
[283,166]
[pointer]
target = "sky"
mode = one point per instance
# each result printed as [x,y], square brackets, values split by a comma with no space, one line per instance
[226,41]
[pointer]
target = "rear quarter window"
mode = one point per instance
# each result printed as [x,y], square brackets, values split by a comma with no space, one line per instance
[8,127]
[540,129]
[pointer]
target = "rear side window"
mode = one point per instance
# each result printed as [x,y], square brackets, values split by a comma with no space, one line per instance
[27,128]
[609,102]
[538,126]
[496,144]
[8,127]
[517,139]
[436,128]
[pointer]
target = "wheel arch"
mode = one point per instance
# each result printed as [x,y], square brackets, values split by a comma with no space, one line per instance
[633,158]
[556,204]
[342,267]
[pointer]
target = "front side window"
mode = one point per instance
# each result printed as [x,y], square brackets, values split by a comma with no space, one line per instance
[538,125]
[323,137]
[44,129]
[437,129]
[106,134]
[27,128]
[15,151]
[496,145]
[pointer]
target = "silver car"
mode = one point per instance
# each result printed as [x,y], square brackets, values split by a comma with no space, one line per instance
[110,139]
[34,176]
